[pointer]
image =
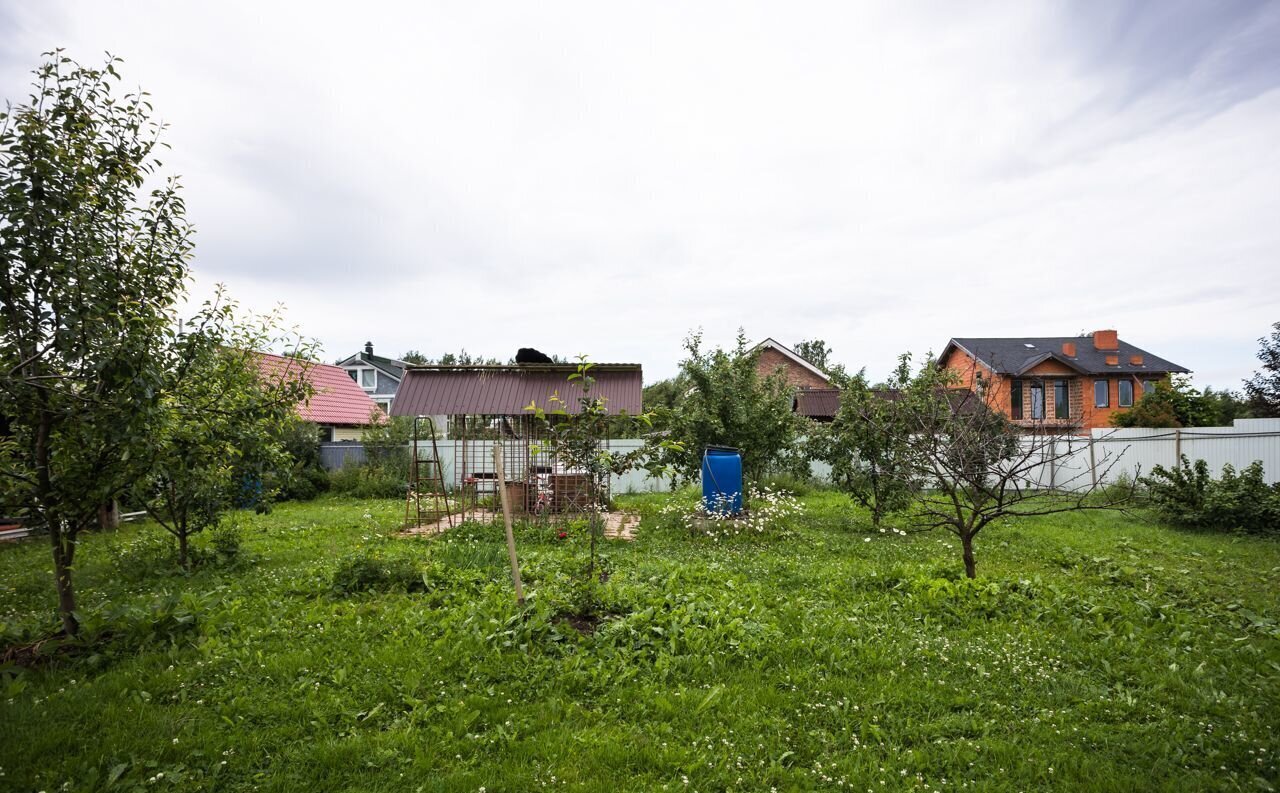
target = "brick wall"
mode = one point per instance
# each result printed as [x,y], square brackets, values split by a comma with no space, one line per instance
[1079,389]
[797,376]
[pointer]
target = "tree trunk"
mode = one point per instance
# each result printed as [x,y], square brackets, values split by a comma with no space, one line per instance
[183,558]
[970,566]
[61,535]
[62,559]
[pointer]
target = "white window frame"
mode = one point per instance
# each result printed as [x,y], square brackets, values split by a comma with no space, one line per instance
[357,374]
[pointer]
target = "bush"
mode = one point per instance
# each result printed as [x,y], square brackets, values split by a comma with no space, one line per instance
[370,571]
[1189,496]
[368,482]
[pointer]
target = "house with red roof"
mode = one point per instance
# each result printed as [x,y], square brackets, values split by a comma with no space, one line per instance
[338,405]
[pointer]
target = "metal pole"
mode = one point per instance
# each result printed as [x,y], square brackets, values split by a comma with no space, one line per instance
[506,519]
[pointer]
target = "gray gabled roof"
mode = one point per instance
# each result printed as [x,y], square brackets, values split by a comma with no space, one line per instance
[389,366]
[1015,356]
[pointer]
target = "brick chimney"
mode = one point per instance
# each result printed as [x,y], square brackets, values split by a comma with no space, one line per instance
[1069,349]
[368,348]
[1135,360]
[1106,340]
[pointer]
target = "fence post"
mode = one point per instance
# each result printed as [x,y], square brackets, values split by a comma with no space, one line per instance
[1093,463]
[506,519]
[1177,448]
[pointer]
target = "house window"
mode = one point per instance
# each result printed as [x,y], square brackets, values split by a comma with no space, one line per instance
[1015,399]
[1061,400]
[326,434]
[367,378]
[1101,394]
[1148,386]
[1037,400]
[1126,393]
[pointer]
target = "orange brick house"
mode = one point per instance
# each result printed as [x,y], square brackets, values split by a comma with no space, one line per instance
[1057,382]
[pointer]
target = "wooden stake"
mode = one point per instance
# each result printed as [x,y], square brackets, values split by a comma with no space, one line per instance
[506,519]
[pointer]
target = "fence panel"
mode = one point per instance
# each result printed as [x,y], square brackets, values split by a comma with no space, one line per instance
[336,455]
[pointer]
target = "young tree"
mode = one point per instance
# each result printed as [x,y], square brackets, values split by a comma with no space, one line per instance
[223,423]
[93,250]
[729,404]
[575,439]
[867,443]
[979,468]
[1263,389]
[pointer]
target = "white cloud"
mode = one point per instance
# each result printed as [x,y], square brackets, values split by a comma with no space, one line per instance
[599,178]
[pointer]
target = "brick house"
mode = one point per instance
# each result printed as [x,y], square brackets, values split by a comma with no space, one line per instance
[799,372]
[1058,382]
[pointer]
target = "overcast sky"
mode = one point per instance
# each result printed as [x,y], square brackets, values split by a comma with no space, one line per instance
[604,177]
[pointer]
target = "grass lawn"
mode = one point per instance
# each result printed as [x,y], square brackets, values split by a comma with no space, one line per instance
[1095,652]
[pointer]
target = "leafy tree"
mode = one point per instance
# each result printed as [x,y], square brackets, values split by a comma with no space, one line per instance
[223,421]
[1160,408]
[663,397]
[386,442]
[1263,389]
[1176,403]
[867,443]
[816,352]
[729,404]
[1224,406]
[91,263]
[415,357]
[575,440]
[302,477]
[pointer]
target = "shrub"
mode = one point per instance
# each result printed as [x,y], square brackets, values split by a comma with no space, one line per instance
[368,482]
[1189,496]
[370,571]
[225,540]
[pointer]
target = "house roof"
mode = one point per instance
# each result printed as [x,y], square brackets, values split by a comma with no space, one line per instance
[792,355]
[1015,356]
[337,398]
[391,366]
[817,403]
[508,390]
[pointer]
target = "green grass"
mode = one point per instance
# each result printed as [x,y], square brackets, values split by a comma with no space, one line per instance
[1095,652]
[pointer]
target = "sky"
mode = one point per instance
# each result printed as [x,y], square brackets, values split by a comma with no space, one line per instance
[605,178]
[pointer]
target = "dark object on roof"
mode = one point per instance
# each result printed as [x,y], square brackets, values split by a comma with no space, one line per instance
[821,404]
[390,366]
[1017,356]
[530,355]
[508,390]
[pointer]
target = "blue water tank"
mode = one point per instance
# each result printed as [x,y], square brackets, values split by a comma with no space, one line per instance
[722,480]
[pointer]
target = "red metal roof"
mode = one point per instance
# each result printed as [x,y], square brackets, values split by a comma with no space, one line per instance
[337,398]
[508,390]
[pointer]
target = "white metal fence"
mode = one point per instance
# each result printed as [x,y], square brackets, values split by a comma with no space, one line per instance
[1107,454]
[450,452]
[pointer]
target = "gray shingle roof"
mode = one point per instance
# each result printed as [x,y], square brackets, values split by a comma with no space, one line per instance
[1017,355]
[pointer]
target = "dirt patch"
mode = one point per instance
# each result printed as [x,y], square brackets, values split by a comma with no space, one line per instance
[584,624]
[49,650]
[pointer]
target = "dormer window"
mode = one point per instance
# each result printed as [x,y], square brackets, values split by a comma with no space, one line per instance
[366,377]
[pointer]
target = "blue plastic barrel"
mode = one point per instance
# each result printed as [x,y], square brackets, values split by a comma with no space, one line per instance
[722,480]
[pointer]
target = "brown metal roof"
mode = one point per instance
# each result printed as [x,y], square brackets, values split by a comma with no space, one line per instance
[508,390]
[817,403]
